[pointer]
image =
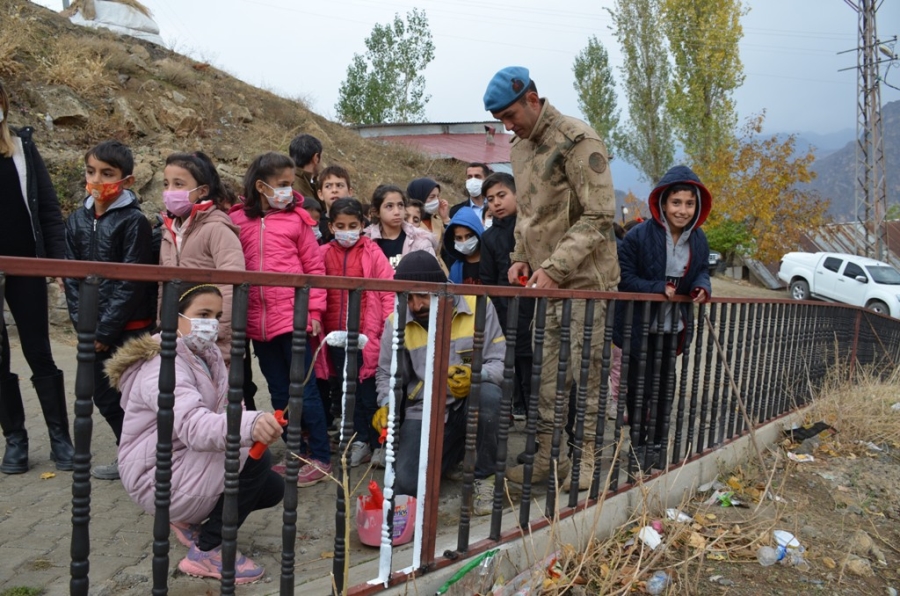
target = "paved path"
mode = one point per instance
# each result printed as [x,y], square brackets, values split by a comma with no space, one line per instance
[35,517]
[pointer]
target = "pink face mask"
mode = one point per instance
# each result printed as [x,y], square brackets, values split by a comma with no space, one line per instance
[178,202]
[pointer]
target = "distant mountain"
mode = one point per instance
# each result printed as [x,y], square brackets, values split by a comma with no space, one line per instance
[836,171]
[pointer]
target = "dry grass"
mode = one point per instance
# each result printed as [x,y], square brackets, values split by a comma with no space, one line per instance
[175,72]
[114,54]
[79,66]
[861,409]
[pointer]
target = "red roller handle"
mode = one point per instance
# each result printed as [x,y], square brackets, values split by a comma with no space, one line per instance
[259,447]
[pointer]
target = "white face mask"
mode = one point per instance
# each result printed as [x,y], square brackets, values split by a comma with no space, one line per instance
[2,116]
[204,333]
[317,232]
[431,207]
[346,238]
[488,223]
[467,247]
[473,185]
[283,196]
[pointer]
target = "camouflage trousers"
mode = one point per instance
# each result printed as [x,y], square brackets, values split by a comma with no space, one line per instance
[549,369]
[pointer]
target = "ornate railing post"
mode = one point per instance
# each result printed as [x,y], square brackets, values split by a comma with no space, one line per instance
[165,419]
[84,427]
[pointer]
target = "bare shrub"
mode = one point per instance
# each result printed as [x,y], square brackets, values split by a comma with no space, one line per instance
[175,72]
[72,63]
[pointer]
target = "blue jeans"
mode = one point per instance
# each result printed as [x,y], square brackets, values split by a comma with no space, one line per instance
[407,465]
[275,364]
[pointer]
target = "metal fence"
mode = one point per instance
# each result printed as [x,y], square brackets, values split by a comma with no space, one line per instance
[736,363]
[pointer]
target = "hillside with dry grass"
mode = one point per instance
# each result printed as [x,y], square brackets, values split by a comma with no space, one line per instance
[78,86]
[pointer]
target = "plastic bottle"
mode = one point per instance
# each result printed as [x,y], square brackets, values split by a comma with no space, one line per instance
[767,556]
[657,583]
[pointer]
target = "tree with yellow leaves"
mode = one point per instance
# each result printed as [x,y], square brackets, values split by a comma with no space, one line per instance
[759,209]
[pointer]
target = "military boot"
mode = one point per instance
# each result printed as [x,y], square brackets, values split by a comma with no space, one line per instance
[12,420]
[51,392]
[585,474]
[541,470]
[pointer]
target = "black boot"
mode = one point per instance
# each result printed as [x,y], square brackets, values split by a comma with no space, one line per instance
[51,392]
[12,420]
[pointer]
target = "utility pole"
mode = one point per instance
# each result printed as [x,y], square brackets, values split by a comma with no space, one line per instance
[871,188]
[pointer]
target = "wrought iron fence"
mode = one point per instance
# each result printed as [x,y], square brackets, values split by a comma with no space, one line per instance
[713,371]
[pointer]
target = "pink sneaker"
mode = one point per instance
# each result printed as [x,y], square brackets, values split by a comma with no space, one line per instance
[281,467]
[313,473]
[209,564]
[186,534]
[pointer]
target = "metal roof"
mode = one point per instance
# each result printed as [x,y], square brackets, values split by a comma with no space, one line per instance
[464,147]
[848,238]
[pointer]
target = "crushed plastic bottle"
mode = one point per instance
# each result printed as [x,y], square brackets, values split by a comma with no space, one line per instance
[767,556]
[658,583]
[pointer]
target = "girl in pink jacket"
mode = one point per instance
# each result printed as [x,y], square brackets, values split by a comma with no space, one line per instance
[276,235]
[351,255]
[198,436]
[197,231]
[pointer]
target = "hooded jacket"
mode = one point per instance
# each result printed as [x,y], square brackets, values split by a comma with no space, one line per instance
[210,241]
[121,235]
[281,241]
[40,197]
[468,219]
[644,255]
[198,433]
[496,244]
[364,259]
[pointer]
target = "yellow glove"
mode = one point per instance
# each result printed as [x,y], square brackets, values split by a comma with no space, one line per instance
[379,420]
[459,380]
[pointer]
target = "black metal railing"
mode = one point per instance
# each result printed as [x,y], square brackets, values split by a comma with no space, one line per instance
[736,363]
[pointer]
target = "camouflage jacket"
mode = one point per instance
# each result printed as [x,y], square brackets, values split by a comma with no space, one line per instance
[566,203]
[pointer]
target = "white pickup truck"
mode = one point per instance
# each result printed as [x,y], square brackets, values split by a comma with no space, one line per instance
[842,278]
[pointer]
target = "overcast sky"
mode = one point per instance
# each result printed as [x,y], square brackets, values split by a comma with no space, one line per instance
[302,49]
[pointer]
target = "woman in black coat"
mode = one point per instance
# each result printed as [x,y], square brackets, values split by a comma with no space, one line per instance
[31,226]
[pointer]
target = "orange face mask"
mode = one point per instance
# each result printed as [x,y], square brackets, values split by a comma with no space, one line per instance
[104,192]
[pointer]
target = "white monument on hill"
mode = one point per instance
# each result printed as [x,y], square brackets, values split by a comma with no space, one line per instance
[125,17]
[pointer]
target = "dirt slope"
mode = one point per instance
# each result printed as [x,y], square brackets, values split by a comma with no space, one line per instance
[78,86]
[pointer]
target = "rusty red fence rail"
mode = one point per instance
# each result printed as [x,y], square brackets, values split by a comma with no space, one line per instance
[767,357]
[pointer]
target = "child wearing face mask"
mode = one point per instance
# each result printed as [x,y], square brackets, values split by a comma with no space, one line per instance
[110,227]
[435,210]
[197,230]
[198,436]
[462,242]
[350,254]
[276,235]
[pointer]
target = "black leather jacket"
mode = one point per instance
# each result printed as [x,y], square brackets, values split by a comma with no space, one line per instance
[43,205]
[121,235]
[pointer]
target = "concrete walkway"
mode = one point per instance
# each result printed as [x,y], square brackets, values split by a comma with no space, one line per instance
[36,512]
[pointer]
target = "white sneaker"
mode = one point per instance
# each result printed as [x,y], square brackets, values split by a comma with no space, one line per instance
[483,497]
[360,453]
[379,458]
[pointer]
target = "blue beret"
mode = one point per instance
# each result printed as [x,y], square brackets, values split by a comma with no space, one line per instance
[506,87]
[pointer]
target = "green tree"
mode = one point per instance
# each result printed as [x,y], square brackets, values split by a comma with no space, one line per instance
[703,38]
[596,90]
[646,139]
[387,84]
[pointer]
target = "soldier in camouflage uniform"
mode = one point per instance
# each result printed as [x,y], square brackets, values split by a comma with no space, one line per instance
[564,239]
